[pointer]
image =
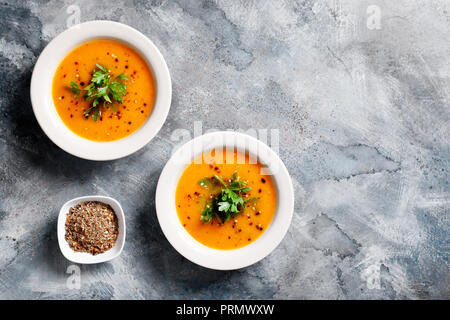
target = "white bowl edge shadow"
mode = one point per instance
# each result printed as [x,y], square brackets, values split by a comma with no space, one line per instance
[84,257]
[193,250]
[41,90]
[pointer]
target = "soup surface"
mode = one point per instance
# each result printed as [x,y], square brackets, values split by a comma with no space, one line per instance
[116,121]
[192,196]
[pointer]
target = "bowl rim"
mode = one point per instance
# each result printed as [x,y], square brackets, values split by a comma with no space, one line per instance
[42,100]
[183,242]
[84,257]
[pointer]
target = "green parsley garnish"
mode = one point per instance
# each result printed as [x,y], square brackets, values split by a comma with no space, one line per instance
[229,202]
[102,90]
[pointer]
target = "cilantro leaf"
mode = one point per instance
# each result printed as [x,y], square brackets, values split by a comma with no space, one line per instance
[229,202]
[102,68]
[100,78]
[224,206]
[75,89]
[122,77]
[101,89]
[207,215]
[205,182]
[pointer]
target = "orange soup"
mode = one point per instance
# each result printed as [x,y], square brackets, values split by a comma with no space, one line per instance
[115,120]
[201,190]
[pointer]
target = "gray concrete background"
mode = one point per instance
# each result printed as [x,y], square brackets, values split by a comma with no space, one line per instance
[363,116]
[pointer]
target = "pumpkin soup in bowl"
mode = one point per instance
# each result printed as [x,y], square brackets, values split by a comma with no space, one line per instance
[91,105]
[223,201]
[207,191]
[103,90]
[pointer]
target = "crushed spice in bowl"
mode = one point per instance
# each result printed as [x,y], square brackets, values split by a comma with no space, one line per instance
[92,227]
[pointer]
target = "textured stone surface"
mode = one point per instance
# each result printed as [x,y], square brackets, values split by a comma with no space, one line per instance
[363,117]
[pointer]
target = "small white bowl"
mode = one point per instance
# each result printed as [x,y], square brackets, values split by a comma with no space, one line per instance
[84,257]
[41,90]
[193,250]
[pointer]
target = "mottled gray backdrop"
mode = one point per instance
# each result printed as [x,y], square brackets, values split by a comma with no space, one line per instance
[359,91]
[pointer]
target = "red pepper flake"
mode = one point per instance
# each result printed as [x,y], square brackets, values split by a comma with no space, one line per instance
[263,180]
[257,213]
[259,190]
[126,67]
[129,122]
[142,111]
[189,218]
[249,239]
[116,60]
[82,83]
[229,237]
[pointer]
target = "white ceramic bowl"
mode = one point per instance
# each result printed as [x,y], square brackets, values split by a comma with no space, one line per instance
[45,111]
[193,250]
[84,257]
